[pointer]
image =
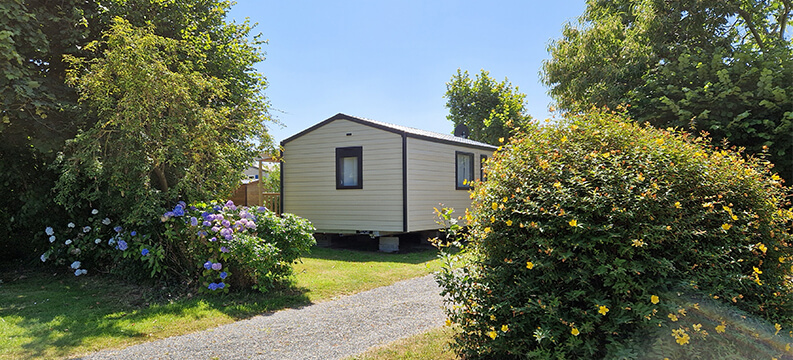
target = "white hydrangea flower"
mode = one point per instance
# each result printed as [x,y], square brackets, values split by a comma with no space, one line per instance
[49,230]
[68,242]
[111,242]
[76,265]
[84,271]
[106,221]
[52,239]
[97,241]
[94,212]
[87,229]
[71,225]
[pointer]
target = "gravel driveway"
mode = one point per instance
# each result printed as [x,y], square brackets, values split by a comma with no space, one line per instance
[328,330]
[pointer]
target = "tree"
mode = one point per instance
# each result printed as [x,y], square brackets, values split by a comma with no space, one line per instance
[722,67]
[489,109]
[166,130]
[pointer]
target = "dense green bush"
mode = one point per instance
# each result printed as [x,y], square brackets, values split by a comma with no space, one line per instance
[584,229]
[201,243]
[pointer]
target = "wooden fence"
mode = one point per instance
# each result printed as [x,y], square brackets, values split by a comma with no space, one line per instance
[250,195]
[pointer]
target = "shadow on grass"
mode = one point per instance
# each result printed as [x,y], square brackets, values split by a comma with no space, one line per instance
[415,256]
[45,315]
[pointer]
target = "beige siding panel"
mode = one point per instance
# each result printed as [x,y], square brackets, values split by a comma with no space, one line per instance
[310,179]
[431,181]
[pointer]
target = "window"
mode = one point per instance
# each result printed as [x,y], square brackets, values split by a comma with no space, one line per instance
[482,161]
[464,170]
[349,168]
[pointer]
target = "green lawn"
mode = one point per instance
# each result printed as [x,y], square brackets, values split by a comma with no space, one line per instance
[46,316]
[431,345]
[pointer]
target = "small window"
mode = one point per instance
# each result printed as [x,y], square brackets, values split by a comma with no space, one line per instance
[464,170]
[482,161]
[349,168]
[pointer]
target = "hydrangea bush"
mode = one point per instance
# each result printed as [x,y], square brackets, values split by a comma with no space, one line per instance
[207,243]
[582,231]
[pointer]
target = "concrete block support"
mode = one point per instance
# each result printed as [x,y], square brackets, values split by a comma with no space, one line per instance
[389,243]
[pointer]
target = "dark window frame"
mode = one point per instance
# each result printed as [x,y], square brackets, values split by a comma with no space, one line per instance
[482,160]
[344,152]
[468,186]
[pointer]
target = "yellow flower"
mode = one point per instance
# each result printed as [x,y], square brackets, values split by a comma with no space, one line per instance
[638,243]
[726,226]
[721,328]
[697,327]
[509,222]
[762,247]
[654,299]
[492,219]
[501,139]
[683,339]
[529,265]
[659,141]
[603,310]
[778,328]
[487,230]
[492,318]
[564,138]
[756,270]
[677,204]
[787,347]
[495,206]
[492,334]
[672,317]
[575,332]
[448,322]
[504,328]
[640,177]
[573,223]
[781,259]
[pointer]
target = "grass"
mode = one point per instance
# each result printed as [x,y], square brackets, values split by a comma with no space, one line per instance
[431,345]
[45,315]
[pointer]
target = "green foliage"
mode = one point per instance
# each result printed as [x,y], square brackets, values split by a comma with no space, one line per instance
[166,130]
[715,66]
[489,109]
[583,229]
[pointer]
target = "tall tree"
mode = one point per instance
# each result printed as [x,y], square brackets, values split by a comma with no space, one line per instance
[723,67]
[488,108]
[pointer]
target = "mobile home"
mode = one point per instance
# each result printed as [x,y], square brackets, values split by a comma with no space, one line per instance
[352,175]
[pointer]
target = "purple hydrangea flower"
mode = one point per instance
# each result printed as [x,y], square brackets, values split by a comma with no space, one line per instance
[244,214]
[217,266]
[206,223]
[226,232]
[202,233]
[208,265]
[261,209]
[215,229]
[224,249]
[193,221]
[230,205]
[250,225]
[223,275]
[205,215]
[184,204]
[144,252]
[122,245]
[225,223]
[213,239]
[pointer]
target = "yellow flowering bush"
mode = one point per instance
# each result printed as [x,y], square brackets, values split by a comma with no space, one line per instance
[600,218]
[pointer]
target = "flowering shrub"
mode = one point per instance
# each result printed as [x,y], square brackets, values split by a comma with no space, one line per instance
[252,244]
[97,243]
[583,229]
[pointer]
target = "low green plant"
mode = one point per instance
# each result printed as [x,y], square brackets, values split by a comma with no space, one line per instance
[583,228]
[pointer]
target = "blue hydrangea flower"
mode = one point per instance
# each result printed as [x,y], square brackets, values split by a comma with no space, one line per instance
[144,252]
[206,223]
[118,229]
[212,286]
[178,210]
[87,229]
[223,274]
[224,249]
[133,233]
[122,245]
[184,204]
[111,242]
[75,265]
[217,266]
[52,239]
[49,231]
[202,233]
[261,209]
[97,241]
[213,239]
[193,221]
[94,212]
[208,265]
[44,259]
[78,272]
[221,285]
[217,207]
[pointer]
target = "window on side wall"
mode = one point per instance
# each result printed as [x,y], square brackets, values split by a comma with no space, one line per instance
[349,167]
[482,161]
[464,170]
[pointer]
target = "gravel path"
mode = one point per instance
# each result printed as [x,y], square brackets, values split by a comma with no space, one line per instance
[328,330]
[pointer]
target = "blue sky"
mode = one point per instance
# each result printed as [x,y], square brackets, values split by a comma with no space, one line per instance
[390,60]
